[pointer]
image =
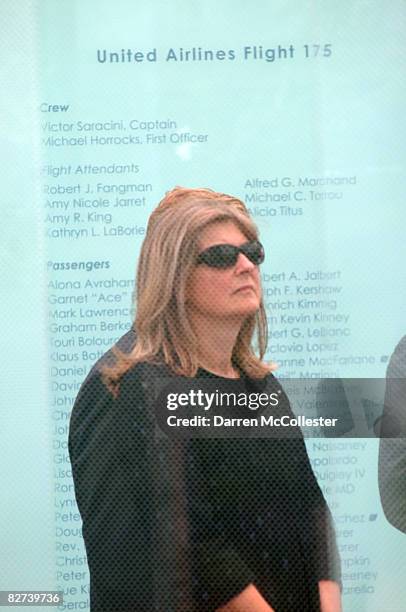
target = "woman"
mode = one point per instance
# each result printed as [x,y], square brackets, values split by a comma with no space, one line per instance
[180,525]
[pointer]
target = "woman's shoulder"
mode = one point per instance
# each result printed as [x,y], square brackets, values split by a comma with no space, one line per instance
[137,375]
[260,384]
[96,398]
[98,414]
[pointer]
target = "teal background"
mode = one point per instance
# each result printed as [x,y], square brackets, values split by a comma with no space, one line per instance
[323,117]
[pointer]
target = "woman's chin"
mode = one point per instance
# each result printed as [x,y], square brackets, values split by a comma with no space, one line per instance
[246,310]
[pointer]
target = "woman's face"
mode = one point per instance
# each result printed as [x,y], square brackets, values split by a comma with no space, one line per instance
[233,292]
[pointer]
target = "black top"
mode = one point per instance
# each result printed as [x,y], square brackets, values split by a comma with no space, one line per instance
[183,525]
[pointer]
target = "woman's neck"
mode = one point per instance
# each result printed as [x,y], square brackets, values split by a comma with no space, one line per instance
[230,372]
[216,340]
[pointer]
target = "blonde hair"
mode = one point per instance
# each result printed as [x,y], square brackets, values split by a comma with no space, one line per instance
[167,258]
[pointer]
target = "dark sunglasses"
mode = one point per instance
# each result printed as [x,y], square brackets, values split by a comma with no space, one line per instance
[226,255]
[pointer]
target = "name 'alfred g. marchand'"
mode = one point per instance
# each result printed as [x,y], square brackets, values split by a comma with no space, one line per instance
[302,181]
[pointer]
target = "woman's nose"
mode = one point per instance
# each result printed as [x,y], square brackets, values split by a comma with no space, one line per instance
[243,263]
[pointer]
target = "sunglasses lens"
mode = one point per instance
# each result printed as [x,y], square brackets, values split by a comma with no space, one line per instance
[255,252]
[226,255]
[220,256]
